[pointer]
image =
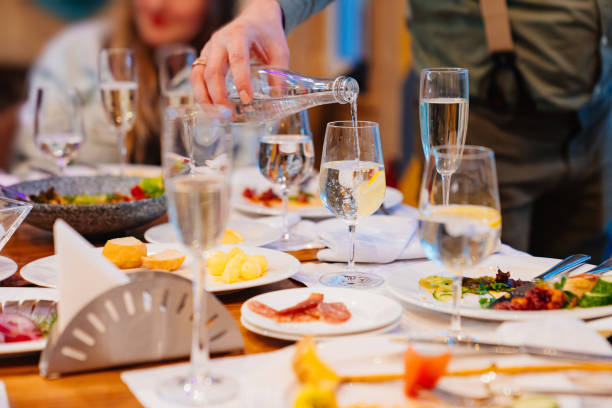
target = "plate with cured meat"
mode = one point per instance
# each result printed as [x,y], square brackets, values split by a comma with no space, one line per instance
[253,194]
[320,312]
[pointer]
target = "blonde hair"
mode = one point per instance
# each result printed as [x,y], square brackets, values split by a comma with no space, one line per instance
[143,141]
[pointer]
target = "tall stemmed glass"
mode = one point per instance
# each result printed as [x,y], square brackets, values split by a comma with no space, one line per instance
[174,69]
[352,185]
[58,130]
[118,83]
[286,157]
[462,233]
[443,112]
[198,208]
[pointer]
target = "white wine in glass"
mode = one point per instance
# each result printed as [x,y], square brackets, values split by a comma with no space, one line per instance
[352,185]
[466,230]
[443,113]
[118,81]
[198,209]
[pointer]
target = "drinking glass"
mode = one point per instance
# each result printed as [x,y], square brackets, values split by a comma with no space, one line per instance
[443,112]
[174,69]
[58,130]
[198,208]
[118,83]
[286,157]
[352,185]
[464,232]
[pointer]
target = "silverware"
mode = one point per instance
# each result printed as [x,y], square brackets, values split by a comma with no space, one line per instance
[566,265]
[382,209]
[602,267]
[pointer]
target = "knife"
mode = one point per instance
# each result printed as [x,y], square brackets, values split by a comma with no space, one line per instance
[566,265]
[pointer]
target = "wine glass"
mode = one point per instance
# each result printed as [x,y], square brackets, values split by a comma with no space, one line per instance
[352,185]
[286,157]
[443,112]
[198,208]
[174,69]
[58,130]
[462,233]
[118,83]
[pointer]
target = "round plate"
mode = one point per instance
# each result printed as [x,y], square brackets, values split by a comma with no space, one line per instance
[7,267]
[369,311]
[43,271]
[19,294]
[250,177]
[404,284]
[254,233]
[293,337]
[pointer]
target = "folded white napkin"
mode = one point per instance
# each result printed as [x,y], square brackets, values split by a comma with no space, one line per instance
[83,272]
[379,239]
[8,179]
[3,396]
[558,332]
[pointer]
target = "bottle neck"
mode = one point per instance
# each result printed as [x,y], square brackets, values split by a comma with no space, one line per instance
[345,89]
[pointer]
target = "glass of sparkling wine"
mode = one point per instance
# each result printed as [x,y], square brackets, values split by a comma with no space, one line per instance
[58,129]
[443,112]
[198,208]
[464,232]
[117,78]
[286,157]
[352,185]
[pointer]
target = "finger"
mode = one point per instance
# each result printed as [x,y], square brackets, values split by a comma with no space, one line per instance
[200,91]
[241,69]
[278,52]
[214,75]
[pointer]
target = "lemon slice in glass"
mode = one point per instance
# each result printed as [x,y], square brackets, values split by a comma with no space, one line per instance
[371,194]
[485,215]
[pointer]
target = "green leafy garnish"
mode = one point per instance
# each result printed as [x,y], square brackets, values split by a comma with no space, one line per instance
[559,285]
[152,186]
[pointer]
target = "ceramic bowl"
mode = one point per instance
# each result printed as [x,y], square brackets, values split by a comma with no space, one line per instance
[92,219]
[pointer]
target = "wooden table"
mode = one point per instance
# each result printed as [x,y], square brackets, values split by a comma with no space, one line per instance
[26,388]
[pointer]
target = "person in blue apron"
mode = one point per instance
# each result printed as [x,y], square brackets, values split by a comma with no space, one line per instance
[541,98]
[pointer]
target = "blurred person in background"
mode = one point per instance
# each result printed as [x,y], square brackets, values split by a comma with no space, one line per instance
[71,60]
[545,107]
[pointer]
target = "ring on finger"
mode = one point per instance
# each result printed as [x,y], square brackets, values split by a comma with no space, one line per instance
[199,61]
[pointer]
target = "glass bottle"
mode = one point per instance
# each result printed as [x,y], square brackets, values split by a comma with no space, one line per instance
[278,93]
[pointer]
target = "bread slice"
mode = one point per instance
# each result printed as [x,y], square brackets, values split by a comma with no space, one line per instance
[125,252]
[167,260]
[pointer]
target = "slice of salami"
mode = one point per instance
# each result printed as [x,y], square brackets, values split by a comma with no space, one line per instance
[335,312]
[262,309]
[313,301]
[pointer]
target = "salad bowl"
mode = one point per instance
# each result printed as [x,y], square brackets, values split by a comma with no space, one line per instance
[85,207]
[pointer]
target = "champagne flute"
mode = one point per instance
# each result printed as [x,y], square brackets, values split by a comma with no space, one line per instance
[443,113]
[198,208]
[352,185]
[174,69]
[464,232]
[118,83]
[58,130]
[286,157]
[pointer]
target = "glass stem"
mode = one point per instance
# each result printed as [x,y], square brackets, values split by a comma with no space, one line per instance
[456,317]
[285,211]
[446,179]
[122,152]
[351,260]
[199,341]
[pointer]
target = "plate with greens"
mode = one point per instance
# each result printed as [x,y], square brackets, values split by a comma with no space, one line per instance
[95,204]
[26,317]
[579,295]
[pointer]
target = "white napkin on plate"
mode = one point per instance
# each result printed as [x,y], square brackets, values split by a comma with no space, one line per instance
[379,239]
[83,272]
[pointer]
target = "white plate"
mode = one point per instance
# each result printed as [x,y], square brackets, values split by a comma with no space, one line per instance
[135,170]
[404,284]
[371,355]
[369,311]
[254,233]
[43,271]
[13,293]
[7,267]
[293,337]
[251,177]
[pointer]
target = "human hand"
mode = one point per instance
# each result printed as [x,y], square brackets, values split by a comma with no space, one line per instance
[257,30]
